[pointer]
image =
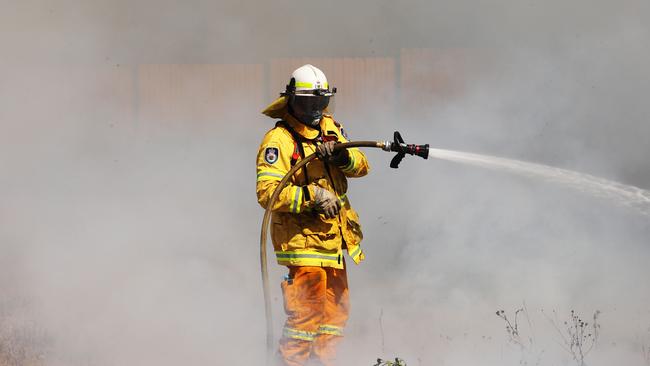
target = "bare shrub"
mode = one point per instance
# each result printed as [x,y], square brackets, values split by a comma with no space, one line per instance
[396,362]
[578,337]
[645,349]
[524,342]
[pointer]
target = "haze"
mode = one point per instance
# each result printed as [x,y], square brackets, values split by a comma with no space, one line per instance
[129,130]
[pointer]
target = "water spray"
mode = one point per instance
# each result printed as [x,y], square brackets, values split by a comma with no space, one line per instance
[619,193]
[397,145]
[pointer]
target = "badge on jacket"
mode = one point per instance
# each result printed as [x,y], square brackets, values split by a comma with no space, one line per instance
[271,154]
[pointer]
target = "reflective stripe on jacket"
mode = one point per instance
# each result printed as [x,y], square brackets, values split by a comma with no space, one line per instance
[300,236]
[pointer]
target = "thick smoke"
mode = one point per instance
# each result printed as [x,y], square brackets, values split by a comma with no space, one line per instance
[130,233]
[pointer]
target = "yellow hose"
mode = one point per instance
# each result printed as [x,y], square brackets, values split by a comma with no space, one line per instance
[264,234]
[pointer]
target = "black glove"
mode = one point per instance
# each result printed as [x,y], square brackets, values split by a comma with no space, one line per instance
[326,153]
[326,202]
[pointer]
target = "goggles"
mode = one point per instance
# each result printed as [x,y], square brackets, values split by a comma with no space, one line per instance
[311,102]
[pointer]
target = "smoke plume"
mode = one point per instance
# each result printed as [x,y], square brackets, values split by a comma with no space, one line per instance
[129,134]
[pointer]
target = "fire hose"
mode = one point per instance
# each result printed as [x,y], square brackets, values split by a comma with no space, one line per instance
[397,145]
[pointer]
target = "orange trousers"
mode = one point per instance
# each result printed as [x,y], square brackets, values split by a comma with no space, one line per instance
[317,304]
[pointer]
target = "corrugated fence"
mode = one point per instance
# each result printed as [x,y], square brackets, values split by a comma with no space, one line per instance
[194,94]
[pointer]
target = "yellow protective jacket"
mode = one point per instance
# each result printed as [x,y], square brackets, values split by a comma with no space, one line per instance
[302,237]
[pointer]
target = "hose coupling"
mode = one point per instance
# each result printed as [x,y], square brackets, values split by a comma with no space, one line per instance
[386,146]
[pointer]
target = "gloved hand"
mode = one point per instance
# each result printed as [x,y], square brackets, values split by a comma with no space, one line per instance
[325,202]
[326,153]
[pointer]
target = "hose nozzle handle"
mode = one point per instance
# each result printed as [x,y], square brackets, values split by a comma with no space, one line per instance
[402,149]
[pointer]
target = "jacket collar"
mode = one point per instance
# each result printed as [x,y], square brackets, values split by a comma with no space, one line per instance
[303,130]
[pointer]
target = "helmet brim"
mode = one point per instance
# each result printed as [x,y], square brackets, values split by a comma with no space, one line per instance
[314,92]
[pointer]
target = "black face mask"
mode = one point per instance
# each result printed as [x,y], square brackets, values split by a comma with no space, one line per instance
[308,109]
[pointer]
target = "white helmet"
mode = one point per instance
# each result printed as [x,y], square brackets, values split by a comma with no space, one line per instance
[309,80]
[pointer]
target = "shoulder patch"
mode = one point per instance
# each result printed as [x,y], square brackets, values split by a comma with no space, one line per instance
[271,154]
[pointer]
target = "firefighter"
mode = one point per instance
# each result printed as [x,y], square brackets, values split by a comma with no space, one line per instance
[313,223]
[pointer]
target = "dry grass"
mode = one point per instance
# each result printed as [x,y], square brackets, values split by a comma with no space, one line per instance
[22,343]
